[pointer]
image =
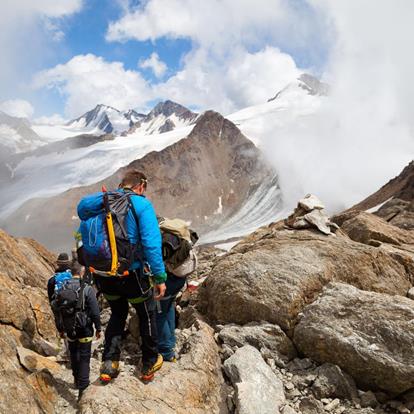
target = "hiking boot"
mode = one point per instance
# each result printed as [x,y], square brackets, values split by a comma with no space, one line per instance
[109,371]
[148,371]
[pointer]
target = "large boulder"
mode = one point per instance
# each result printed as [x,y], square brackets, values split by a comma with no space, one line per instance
[369,335]
[190,386]
[258,389]
[272,274]
[366,227]
[26,325]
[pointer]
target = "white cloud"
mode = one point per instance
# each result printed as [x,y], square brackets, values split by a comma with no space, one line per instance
[17,107]
[87,80]
[55,119]
[364,133]
[28,30]
[215,22]
[241,80]
[232,63]
[155,64]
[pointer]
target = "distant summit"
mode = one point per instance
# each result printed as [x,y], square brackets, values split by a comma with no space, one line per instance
[16,135]
[103,118]
[309,83]
[164,117]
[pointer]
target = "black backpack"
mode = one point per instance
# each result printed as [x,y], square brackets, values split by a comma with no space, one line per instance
[69,305]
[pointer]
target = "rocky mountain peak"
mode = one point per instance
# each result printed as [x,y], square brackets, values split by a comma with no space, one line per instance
[168,108]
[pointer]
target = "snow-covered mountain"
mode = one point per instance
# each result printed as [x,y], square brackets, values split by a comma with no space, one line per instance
[53,174]
[165,117]
[104,119]
[206,178]
[305,82]
[17,136]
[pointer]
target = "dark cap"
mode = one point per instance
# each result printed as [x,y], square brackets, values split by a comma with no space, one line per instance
[63,260]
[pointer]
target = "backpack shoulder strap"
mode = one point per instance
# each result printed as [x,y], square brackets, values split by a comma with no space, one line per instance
[80,305]
[134,213]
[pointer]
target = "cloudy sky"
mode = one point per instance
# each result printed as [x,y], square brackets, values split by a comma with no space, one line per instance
[62,57]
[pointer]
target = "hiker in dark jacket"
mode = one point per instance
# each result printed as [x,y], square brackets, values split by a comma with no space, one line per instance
[137,288]
[63,264]
[80,334]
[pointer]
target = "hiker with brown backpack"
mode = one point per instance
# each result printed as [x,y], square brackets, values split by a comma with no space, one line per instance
[121,246]
[180,261]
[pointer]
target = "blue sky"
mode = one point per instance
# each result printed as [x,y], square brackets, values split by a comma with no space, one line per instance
[201,45]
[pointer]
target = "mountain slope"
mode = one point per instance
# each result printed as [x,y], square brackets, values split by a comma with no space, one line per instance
[205,178]
[16,136]
[394,201]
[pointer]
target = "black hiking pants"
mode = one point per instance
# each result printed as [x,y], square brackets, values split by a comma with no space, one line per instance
[137,291]
[80,357]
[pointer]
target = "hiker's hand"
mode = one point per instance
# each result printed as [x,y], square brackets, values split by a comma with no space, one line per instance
[98,334]
[62,335]
[161,291]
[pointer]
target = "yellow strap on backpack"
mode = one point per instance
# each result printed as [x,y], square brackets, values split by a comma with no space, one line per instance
[112,243]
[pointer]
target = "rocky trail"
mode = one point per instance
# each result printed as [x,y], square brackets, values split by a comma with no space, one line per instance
[307,315]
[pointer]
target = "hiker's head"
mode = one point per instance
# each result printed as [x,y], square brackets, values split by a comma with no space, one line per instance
[77,269]
[134,180]
[63,263]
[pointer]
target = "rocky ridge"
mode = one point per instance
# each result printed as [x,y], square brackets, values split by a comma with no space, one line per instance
[394,201]
[289,321]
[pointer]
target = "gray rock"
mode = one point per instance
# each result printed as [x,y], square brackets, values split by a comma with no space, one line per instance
[320,220]
[300,364]
[410,293]
[311,202]
[288,410]
[368,399]
[303,381]
[332,405]
[309,405]
[273,276]
[258,390]
[332,382]
[301,223]
[370,335]
[266,336]
[226,352]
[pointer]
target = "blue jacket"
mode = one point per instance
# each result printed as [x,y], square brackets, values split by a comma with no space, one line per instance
[147,231]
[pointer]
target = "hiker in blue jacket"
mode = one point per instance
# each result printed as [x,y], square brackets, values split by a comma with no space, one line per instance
[137,288]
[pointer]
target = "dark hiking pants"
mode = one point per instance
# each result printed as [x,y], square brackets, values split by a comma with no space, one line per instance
[138,292]
[80,357]
[147,327]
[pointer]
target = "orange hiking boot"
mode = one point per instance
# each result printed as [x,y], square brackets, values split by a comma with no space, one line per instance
[109,371]
[148,372]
